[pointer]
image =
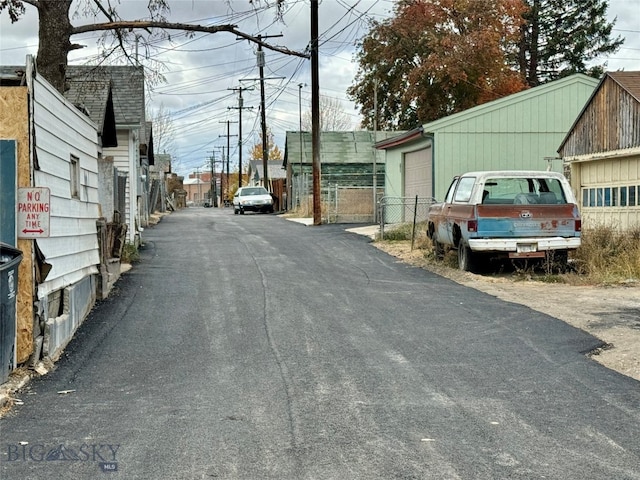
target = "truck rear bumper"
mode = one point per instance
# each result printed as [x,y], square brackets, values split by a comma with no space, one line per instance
[523,245]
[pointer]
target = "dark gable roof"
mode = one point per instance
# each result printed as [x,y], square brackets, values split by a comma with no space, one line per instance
[127,83]
[92,97]
[95,99]
[630,81]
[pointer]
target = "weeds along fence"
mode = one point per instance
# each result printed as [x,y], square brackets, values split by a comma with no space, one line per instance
[351,204]
[345,198]
[394,211]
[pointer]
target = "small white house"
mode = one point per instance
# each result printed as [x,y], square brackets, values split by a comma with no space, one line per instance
[57,150]
[130,154]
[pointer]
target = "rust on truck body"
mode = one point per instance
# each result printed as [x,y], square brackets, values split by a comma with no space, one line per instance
[517,214]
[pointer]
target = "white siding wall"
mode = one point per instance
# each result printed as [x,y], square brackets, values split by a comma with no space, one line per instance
[609,192]
[61,132]
[125,159]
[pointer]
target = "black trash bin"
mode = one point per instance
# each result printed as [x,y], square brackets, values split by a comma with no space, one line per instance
[10,259]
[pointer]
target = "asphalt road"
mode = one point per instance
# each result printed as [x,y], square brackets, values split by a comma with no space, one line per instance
[251,347]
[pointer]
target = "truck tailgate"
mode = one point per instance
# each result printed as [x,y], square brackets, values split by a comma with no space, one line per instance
[513,221]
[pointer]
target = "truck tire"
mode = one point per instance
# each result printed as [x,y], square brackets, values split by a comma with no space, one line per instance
[438,249]
[465,258]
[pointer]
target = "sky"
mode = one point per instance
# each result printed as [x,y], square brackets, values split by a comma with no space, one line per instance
[203,72]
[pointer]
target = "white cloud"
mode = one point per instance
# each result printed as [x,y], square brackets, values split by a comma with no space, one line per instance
[200,71]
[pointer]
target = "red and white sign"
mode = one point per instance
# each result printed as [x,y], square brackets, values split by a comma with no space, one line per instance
[34,210]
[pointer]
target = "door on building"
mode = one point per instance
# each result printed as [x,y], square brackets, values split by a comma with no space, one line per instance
[8,191]
[418,177]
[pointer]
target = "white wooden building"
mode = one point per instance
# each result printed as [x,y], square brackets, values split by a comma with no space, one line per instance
[602,150]
[58,149]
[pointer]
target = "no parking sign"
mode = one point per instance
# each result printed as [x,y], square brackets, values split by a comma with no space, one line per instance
[33,212]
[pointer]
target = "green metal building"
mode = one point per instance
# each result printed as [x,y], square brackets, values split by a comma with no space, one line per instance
[518,132]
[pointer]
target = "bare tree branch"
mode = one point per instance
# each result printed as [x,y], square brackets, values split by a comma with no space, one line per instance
[144,24]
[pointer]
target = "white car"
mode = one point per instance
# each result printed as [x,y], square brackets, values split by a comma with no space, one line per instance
[252,199]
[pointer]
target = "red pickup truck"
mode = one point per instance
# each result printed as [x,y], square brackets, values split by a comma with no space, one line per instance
[512,214]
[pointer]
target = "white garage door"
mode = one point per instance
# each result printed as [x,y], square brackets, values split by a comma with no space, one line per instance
[417,174]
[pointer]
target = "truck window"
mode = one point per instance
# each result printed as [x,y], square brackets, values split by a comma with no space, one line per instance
[463,192]
[522,190]
[452,188]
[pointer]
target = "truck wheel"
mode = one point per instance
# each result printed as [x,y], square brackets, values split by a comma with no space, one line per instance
[465,258]
[438,249]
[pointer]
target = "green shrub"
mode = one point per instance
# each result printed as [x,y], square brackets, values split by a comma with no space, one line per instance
[130,254]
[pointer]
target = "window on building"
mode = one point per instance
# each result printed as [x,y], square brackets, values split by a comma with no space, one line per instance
[74,176]
[623,196]
[632,196]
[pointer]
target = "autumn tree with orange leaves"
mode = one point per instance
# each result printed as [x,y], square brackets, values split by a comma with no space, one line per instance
[432,59]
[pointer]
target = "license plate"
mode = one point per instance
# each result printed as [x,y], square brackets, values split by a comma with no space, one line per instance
[526,247]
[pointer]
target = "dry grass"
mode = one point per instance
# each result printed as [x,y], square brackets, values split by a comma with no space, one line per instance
[607,256]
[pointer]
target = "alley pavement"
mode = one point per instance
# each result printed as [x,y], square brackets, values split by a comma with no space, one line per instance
[251,347]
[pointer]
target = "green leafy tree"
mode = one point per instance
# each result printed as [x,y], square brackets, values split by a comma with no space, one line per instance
[562,36]
[435,58]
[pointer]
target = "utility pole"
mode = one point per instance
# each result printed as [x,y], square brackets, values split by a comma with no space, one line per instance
[265,143]
[375,152]
[228,151]
[214,189]
[315,114]
[300,85]
[222,183]
[240,107]
[198,183]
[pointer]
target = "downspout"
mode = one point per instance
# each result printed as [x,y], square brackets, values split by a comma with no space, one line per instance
[432,137]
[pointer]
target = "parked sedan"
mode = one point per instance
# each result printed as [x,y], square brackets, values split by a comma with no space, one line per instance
[252,199]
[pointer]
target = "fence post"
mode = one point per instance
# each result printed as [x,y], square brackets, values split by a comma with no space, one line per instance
[382,215]
[413,231]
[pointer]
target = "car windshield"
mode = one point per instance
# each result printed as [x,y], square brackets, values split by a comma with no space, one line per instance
[254,191]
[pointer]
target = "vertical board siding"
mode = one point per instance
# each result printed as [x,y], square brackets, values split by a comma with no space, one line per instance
[610,122]
[60,132]
[515,132]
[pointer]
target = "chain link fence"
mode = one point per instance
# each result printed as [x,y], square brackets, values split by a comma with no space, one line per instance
[394,211]
[342,199]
